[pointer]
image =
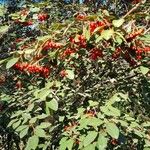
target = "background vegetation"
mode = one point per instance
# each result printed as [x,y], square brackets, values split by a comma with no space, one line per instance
[75,76]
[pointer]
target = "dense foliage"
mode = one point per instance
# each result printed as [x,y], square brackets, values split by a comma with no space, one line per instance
[74,78]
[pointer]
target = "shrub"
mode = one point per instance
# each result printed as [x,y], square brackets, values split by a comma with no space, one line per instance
[82,83]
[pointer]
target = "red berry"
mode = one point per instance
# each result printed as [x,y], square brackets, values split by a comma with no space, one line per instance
[42,17]
[95,53]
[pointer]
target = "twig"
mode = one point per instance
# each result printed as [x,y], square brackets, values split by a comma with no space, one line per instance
[68,28]
[129,12]
[147,30]
[55,96]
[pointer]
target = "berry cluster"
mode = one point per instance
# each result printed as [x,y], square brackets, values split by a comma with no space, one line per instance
[96,24]
[79,40]
[32,69]
[25,23]
[18,40]
[42,17]
[95,53]
[146,49]
[133,35]
[50,45]
[117,53]
[81,17]
[67,53]
[138,51]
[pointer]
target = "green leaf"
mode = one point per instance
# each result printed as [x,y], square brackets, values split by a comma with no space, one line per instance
[2,10]
[35,9]
[11,122]
[98,39]
[24,132]
[53,104]
[43,94]
[121,36]
[89,138]
[11,62]
[30,107]
[144,70]
[118,23]
[42,116]
[70,74]
[107,34]
[86,33]
[146,148]
[16,124]
[2,61]
[146,124]
[112,130]
[102,142]
[33,120]
[90,147]
[114,99]
[118,39]
[4,29]
[95,122]
[124,96]
[20,128]
[147,143]
[63,143]
[139,133]
[70,144]
[84,123]
[123,123]
[40,132]
[114,111]
[44,125]
[32,143]
[93,103]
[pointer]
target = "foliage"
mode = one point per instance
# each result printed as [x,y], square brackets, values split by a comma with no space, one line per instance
[75,82]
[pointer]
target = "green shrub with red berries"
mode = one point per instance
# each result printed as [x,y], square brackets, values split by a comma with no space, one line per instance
[82,83]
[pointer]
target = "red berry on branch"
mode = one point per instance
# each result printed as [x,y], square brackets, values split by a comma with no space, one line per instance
[116,53]
[50,45]
[95,53]
[81,17]
[95,24]
[133,35]
[42,17]
[63,73]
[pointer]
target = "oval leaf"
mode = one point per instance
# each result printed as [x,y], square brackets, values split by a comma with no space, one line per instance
[32,143]
[89,138]
[53,104]
[118,23]
[144,70]
[40,132]
[11,62]
[70,74]
[112,130]
[102,142]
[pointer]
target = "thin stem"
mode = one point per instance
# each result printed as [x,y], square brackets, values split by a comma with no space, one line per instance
[129,12]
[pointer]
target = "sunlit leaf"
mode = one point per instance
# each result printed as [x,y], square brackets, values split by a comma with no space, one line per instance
[91,135]
[112,130]
[118,23]
[144,70]
[11,62]
[107,34]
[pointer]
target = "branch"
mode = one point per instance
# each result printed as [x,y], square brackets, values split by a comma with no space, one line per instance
[129,12]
